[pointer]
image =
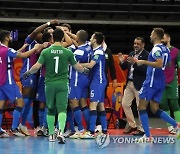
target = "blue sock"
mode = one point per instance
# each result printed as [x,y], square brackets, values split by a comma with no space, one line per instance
[78,117]
[92,123]
[144,120]
[16,117]
[45,118]
[27,106]
[163,115]
[1,116]
[41,116]
[85,111]
[70,120]
[103,121]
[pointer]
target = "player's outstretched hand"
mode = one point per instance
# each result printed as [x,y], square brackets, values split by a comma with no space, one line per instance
[26,75]
[86,71]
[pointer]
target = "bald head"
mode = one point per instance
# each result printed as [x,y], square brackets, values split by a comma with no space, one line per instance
[82,36]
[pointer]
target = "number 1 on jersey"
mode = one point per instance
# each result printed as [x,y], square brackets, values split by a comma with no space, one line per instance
[56,64]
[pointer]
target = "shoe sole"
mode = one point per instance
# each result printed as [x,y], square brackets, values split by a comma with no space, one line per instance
[60,141]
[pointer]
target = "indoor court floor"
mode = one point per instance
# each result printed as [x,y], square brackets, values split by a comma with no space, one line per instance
[41,145]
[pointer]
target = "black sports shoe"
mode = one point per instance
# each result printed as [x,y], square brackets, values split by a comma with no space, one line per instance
[138,133]
[130,130]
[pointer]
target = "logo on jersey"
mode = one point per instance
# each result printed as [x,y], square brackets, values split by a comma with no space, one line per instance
[96,57]
[157,53]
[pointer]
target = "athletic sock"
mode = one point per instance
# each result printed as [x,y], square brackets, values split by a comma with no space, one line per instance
[70,120]
[163,115]
[41,116]
[45,118]
[50,121]
[27,106]
[92,123]
[62,120]
[145,123]
[103,121]
[16,117]
[78,117]
[85,111]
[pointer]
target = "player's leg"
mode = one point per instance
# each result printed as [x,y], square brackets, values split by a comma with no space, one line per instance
[145,96]
[3,134]
[61,106]
[84,106]
[13,94]
[50,92]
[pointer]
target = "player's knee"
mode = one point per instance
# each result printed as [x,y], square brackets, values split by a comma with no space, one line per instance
[52,112]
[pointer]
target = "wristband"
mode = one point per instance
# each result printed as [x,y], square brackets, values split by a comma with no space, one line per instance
[48,23]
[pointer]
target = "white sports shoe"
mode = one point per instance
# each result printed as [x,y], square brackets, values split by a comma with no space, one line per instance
[17,132]
[145,139]
[102,140]
[61,139]
[3,134]
[24,130]
[172,130]
[68,133]
[52,138]
[87,135]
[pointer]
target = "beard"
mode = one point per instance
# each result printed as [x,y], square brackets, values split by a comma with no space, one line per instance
[10,44]
[165,43]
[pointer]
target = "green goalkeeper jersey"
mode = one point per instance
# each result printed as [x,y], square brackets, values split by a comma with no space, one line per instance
[56,60]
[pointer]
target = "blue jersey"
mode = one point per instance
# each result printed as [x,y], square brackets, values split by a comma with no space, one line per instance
[98,71]
[82,56]
[31,60]
[155,76]
[6,64]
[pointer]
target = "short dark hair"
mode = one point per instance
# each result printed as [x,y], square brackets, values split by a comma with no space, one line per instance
[46,37]
[58,35]
[167,34]
[140,38]
[83,35]
[46,29]
[159,32]
[3,35]
[66,25]
[99,37]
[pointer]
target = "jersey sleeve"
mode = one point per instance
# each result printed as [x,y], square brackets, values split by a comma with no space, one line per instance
[12,53]
[156,53]
[72,58]
[41,58]
[28,40]
[78,54]
[97,55]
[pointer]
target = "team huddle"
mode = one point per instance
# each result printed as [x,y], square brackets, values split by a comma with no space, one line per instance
[62,72]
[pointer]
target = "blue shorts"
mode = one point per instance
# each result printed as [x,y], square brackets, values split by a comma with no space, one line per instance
[77,92]
[149,93]
[40,96]
[97,92]
[30,82]
[10,92]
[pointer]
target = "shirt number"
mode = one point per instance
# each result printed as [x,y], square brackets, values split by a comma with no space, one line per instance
[56,64]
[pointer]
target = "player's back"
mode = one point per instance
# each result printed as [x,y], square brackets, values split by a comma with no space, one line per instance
[6,64]
[56,61]
[98,71]
[155,76]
